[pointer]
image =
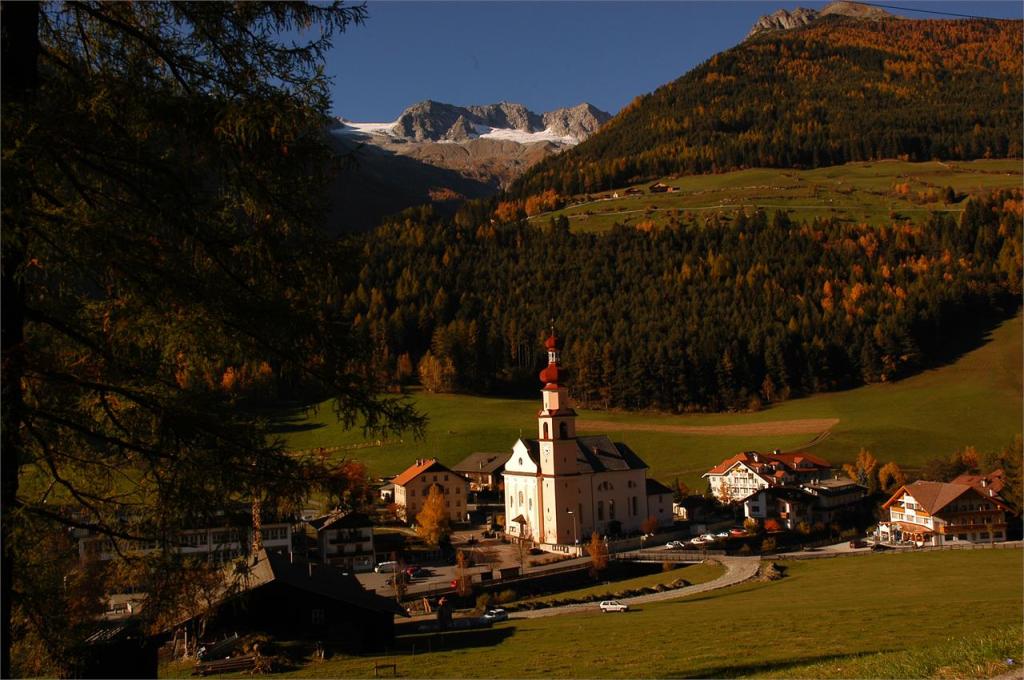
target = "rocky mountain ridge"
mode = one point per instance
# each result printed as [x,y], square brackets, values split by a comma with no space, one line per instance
[785,20]
[432,121]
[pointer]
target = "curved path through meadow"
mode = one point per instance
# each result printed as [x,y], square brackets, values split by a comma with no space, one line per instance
[737,570]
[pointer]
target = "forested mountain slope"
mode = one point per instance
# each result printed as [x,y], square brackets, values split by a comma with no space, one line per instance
[714,313]
[837,90]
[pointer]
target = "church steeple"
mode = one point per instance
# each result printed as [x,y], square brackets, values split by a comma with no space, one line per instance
[552,373]
[556,421]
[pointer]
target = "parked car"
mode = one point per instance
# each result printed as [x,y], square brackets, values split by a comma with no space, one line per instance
[386,567]
[675,545]
[709,538]
[496,615]
[858,543]
[411,570]
[737,533]
[722,534]
[697,541]
[613,606]
[418,572]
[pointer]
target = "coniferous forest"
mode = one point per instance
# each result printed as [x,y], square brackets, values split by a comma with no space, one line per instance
[836,91]
[722,313]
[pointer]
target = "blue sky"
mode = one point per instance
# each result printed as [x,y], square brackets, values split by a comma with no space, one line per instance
[545,54]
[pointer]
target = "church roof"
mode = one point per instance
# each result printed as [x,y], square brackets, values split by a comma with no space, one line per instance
[595,454]
[602,454]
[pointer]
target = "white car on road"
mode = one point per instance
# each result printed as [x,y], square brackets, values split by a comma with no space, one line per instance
[496,615]
[613,606]
[675,545]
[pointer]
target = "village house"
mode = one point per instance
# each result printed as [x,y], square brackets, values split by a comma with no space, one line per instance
[221,543]
[483,470]
[736,478]
[345,540]
[412,488]
[938,513]
[560,487]
[823,501]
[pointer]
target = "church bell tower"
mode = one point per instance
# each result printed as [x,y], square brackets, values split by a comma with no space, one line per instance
[556,421]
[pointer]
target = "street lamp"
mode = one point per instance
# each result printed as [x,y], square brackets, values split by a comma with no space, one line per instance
[575,536]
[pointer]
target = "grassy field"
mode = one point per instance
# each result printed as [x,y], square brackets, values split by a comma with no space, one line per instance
[865,616]
[694,573]
[855,192]
[975,400]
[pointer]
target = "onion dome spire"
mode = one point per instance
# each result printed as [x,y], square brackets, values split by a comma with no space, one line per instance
[552,373]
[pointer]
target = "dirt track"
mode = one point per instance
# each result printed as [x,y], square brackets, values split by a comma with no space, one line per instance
[770,428]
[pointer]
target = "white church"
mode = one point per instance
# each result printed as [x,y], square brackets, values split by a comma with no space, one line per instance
[560,488]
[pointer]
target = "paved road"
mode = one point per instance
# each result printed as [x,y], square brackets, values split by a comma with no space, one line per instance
[737,570]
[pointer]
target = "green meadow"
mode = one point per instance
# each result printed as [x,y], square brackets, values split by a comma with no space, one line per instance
[975,400]
[938,614]
[694,573]
[855,192]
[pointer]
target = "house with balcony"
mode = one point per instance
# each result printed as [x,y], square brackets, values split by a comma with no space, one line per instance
[738,477]
[939,513]
[412,488]
[345,540]
[221,543]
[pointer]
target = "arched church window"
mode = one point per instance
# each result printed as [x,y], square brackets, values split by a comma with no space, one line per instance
[520,498]
[545,430]
[563,431]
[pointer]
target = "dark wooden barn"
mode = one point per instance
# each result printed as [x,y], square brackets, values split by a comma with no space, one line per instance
[291,600]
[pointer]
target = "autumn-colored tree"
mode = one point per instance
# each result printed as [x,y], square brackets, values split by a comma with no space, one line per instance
[598,551]
[509,211]
[724,494]
[436,374]
[772,525]
[680,490]
[891,477]
[1010,459]
[864,471]
[751,525]
[649,525]
[347,485]
[432,524]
